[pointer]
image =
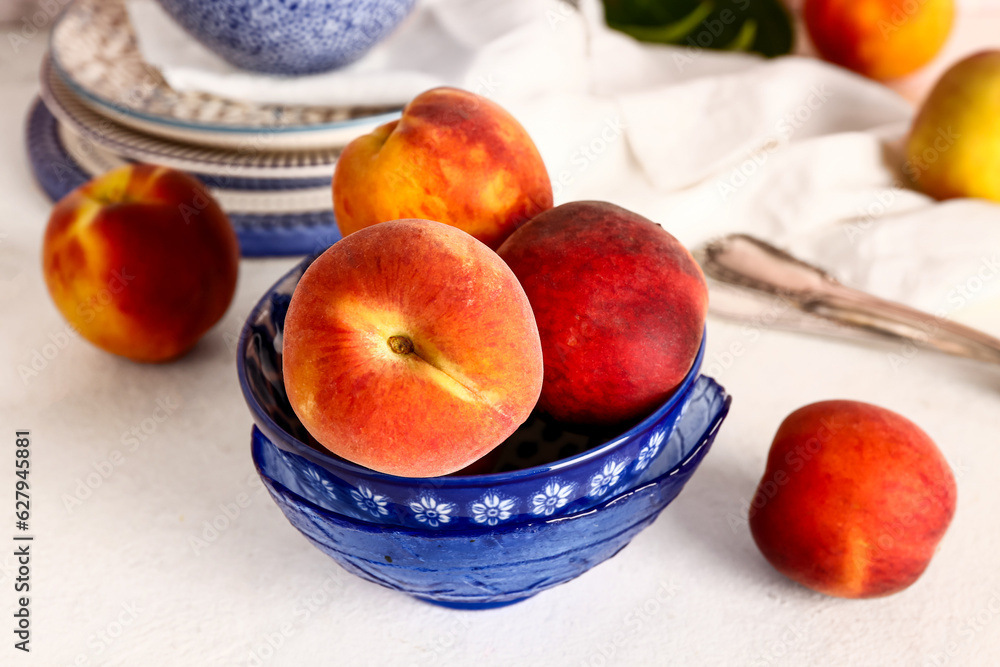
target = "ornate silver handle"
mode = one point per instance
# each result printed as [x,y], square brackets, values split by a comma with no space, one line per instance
[757,267]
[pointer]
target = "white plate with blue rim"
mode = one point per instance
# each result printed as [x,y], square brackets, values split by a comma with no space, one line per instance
[254,158]
[94,51]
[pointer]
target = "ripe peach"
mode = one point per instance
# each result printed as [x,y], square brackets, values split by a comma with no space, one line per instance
[854,500]
[882,39]
[141,261]
[454,157]
[620,306]
[410,348]
[954,146]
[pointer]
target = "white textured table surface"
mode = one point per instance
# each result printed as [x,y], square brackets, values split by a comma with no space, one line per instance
[119,578]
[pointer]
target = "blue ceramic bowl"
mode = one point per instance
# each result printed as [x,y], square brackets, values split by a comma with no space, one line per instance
[545,469]
[288,36]
[486,566]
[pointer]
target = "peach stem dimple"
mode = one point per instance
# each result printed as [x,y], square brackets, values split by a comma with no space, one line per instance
[403,345]
[400,344]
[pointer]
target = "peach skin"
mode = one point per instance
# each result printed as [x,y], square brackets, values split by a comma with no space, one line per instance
[954,145]
[141,261]
[881,39]
[620,306]
[410,348]
[854,500]
[454,157]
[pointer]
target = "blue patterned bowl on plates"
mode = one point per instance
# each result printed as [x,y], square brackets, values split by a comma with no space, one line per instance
[545,469]
[288,36]
[483,566]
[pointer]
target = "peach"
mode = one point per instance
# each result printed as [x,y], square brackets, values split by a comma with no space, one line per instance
[620,306]
[141,261]
[881,39]
[954,145]
[410,348]
[854,500]
[454,157]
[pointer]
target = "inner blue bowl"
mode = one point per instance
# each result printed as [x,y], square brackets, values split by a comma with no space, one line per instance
[483,566]
[545,469]
[288,36]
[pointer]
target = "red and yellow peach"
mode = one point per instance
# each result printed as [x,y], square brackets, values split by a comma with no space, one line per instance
[881,39]
[854,500]
[954,146]
[141,261]
[454,157]
[410,348]
[620,306]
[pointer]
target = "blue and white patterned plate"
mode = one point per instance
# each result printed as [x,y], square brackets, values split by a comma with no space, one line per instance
[251,160]
[272,217]
[94,49]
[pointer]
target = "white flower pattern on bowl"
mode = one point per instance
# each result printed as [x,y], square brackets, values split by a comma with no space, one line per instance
[551,498]
[605,480]
[491,510]
[319,481]
[373,503]
[648,453]
[428,510]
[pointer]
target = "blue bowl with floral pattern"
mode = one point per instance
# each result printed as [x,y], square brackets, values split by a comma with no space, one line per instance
[289,37]
[486,565]
[545,469]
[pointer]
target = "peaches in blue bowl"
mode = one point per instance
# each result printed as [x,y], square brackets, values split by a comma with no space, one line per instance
[548,504]
[546,469]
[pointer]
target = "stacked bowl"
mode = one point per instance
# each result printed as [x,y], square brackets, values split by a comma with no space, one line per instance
[269,165]
[557,501]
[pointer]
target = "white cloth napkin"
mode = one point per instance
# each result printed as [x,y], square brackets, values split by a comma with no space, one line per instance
[801,153]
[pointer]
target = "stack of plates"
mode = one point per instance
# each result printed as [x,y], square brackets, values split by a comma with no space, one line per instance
[268,165]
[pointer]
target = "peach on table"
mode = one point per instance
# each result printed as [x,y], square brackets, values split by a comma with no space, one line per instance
[141,261]
[854,500]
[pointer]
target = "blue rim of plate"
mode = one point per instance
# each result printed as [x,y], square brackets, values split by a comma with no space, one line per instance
[265,235]
[680,393]
[78,89]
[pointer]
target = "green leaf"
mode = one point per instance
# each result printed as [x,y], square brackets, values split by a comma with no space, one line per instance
[669,33]
[744,40]
[763,26]
[648,12]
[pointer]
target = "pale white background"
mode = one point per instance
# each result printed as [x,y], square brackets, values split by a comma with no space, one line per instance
[119,579]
